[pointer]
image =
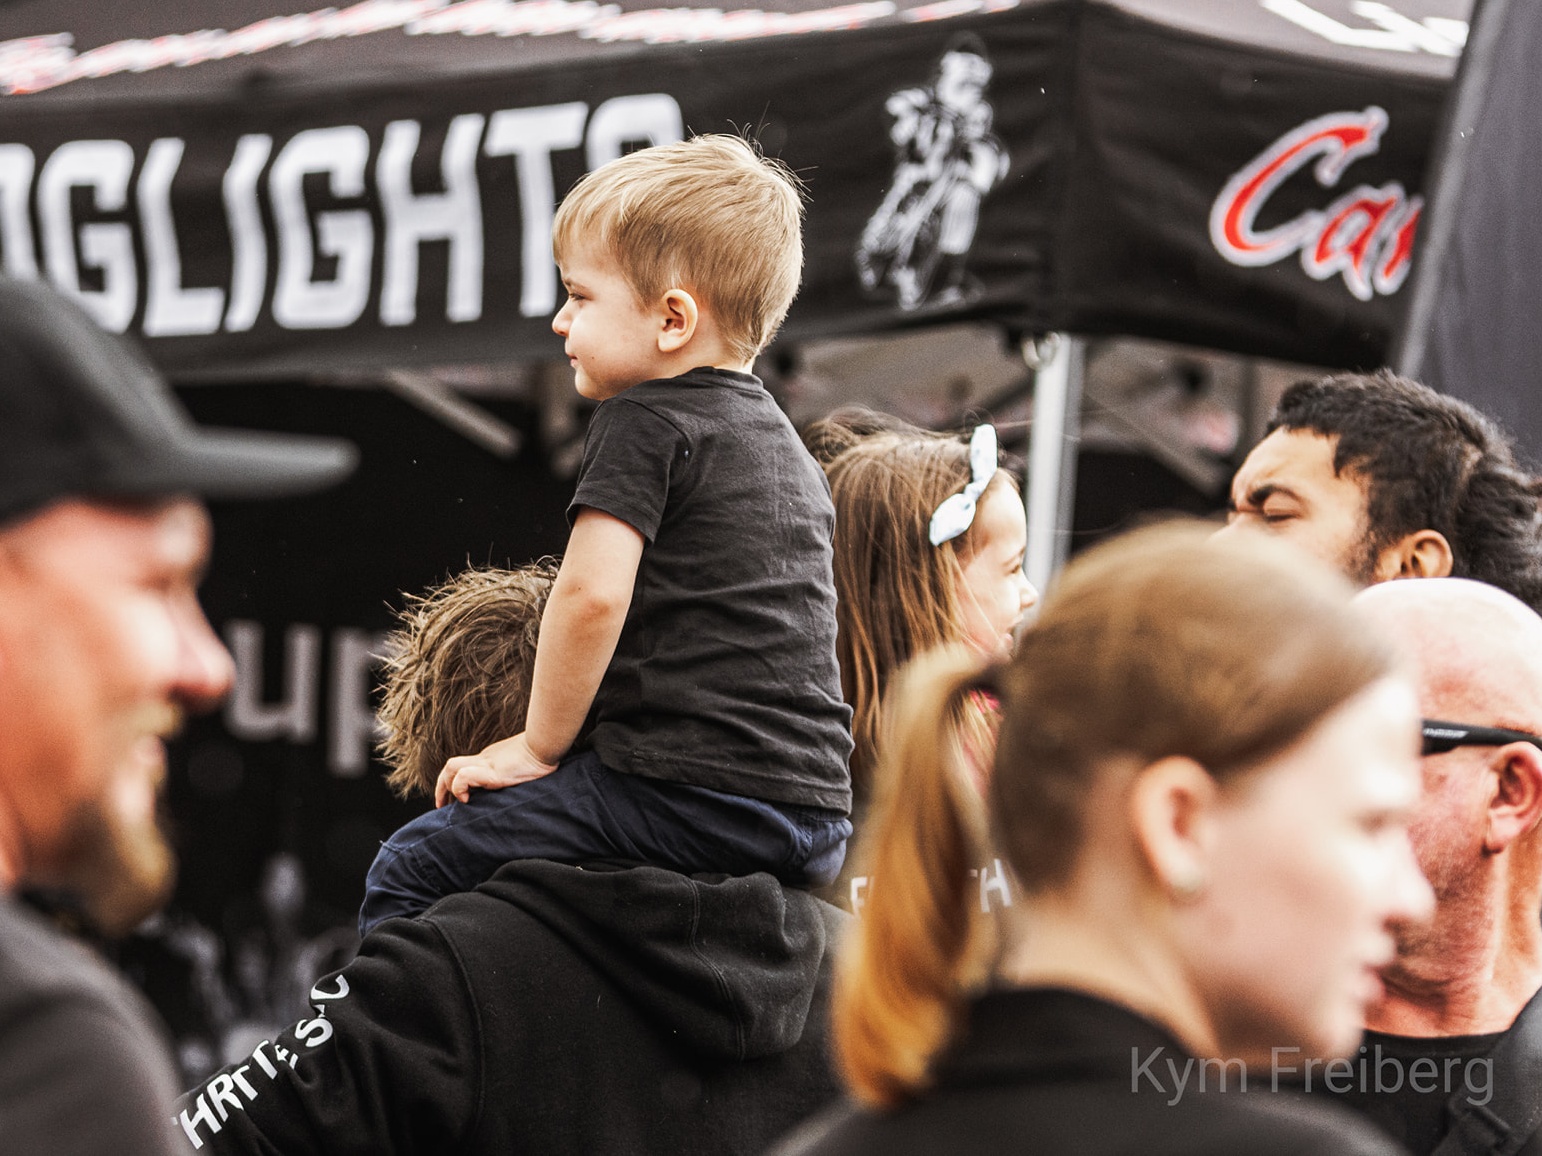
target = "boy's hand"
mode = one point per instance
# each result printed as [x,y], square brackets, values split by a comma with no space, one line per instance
[502,764]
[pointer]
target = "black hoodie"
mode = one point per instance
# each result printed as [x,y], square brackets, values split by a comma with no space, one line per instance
[555,1009]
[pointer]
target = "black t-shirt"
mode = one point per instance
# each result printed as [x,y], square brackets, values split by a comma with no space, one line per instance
[725,675]
[1403,1083]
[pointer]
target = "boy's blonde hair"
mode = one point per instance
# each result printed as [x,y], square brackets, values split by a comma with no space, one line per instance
[458,673]
[709,215]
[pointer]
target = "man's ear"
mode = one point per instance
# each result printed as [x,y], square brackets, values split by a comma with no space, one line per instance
[679,317]
[1422,554]
[1515,806]
[1172,802]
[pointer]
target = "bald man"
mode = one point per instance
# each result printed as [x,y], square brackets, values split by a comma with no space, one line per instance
[1453,1051]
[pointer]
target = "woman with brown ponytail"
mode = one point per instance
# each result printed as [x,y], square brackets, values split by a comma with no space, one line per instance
[1202,784]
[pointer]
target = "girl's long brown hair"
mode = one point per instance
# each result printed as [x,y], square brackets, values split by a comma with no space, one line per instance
[896,594]
[1165,642]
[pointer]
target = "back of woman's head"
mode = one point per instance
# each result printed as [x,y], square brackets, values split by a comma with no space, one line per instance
[896,594]
[1167,643]
[1164,642]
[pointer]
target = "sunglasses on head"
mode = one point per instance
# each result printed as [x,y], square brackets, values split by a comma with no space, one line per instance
[1440,737]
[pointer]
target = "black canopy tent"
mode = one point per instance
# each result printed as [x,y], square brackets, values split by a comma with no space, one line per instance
[1471,324]
[262,193]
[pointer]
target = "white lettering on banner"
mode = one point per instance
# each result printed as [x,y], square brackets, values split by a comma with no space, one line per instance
[454,215]
[650,119]
[36,63]
[16,248]
[355,654]
[248,243]
[104,166]
[326,259]
[1394,32]
[529,135]
[299,300]
[351,724]
[248,715]
[1366,235]
[170,309]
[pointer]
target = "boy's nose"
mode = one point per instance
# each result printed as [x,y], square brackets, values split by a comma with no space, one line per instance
[559,323]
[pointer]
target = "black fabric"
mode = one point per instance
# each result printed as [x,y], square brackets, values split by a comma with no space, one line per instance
[1471,328]
[725,674]
[1416,1118]
[1165,119]
[1117,123]
[1476,1095]
[554,1010]
[1054,1072]
[83,1068]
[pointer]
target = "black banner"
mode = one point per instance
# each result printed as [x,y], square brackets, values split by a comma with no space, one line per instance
[263,232]
[372,187]
[1238,199]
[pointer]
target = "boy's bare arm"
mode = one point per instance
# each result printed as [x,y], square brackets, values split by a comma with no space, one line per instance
[579,631]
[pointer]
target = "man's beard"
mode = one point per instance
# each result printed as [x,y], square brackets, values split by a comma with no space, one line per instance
[1359,566]
[118,871]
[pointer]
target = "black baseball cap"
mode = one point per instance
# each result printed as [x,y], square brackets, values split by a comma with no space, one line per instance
[84,414]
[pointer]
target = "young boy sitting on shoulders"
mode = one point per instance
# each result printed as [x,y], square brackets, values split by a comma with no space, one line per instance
[690,633]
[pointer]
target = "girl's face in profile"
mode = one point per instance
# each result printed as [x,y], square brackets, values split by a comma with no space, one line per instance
[1311,872]
[996,593]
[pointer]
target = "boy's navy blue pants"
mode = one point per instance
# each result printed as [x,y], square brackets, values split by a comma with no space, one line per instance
[582,811]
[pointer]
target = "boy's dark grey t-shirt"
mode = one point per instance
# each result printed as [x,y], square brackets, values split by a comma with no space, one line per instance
[725,675]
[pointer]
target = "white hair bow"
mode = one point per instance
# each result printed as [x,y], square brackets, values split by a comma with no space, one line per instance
[956,514]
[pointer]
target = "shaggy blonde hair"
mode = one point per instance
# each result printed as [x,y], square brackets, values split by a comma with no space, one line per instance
[709,215]
[1166,642]
[458,673]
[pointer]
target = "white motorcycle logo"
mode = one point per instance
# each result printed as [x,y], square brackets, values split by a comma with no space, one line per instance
[947,160]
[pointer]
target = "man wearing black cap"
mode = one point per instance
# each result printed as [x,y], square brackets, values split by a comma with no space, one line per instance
[103,646]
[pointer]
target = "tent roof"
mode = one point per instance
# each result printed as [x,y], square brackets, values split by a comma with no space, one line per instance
[257,190]
[62,52]
[1412,37]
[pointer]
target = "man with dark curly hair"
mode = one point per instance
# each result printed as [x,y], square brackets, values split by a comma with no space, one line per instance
[1385,478]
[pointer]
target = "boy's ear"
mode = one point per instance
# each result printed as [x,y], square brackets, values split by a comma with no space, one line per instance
[680,317]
